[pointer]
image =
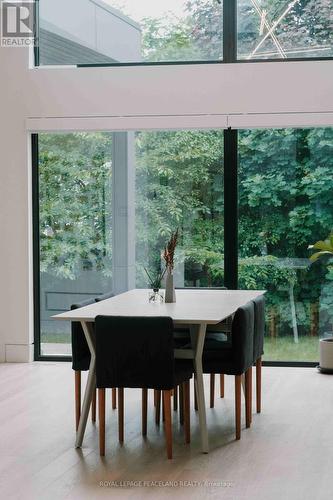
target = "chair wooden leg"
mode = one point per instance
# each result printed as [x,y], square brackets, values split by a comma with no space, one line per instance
[195,397]
[163,412]
[101,419]
[77,398]
[114,398]
[212,389]
[258,384]
[121,414]
[93,407]
[144,411]
[186,402]
[175,399]
[238,392]
[181,405]
[221,385]
[248,396]
[158,407]
[167,422]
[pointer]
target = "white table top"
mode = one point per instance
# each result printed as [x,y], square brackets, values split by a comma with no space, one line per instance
[192,306]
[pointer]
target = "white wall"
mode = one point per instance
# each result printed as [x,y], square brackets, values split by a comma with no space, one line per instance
[291,93]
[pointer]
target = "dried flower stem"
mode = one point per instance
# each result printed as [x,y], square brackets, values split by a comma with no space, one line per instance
[169,250]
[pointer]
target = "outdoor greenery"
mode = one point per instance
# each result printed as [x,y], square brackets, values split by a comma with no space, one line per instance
[304,30]
[75,209]
[285,198]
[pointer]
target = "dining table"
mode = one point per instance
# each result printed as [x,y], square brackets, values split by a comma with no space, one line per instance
[193,309]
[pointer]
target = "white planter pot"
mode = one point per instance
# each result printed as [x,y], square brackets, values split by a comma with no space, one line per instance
[326,355]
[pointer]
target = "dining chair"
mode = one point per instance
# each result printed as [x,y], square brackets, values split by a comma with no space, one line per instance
[222,330]
[104,296]
[80,361]
[99,298]
[234,358]
[137,352]
[258,351]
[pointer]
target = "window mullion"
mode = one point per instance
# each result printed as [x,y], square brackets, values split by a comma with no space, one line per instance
[229,31]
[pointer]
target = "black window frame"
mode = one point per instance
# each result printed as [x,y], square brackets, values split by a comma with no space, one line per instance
[230,37]
[231,160]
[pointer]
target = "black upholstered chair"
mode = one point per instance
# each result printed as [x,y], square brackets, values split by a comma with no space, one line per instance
[104,296]
[138,352]
[220,331]
[80,361]
[258,349]
[235,358]
[258,343]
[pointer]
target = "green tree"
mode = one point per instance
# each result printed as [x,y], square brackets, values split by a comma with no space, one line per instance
[74,185]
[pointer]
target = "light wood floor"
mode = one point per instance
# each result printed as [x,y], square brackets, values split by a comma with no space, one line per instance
[286,454]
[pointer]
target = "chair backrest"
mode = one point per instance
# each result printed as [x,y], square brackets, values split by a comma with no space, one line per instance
[259,327]
[105,296]
[201,288]
[242,337]
[80,349]
[134,352]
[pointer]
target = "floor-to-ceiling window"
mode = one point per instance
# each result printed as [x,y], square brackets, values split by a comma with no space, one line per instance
[285,204]
[179,181]
[108,32]
[179,184]
[75,228]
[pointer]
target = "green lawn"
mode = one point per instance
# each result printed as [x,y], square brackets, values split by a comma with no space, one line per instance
[276,349]
[56,338]
[285,349]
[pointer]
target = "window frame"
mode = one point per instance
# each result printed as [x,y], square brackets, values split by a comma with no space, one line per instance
[229,38]
[231,161]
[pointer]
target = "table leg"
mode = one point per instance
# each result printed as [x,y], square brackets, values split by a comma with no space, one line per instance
[91,383]
[198,333]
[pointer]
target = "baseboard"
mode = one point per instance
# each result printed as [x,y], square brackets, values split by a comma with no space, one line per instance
[2,353]
[19,353]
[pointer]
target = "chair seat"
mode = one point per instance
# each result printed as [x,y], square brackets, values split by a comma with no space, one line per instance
[214,341]
[182,339]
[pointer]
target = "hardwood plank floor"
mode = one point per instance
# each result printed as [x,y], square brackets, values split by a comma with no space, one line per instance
[286,454]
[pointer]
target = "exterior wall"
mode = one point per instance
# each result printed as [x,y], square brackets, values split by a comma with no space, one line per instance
[302,90]
[92,24]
